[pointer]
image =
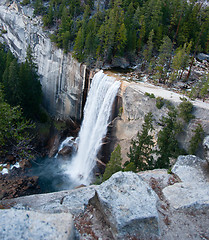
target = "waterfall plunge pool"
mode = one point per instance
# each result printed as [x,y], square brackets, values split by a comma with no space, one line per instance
[61,174]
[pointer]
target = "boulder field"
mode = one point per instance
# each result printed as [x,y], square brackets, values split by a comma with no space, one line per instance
[145,205]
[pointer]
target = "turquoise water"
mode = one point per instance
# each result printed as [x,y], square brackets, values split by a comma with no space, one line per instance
[51,174]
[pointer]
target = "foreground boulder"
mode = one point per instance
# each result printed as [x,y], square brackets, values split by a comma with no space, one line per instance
[20,224]
[70,201]
[193,192]
[129,206]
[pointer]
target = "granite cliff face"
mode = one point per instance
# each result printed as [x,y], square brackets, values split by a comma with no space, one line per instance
[135,104]
[62,77]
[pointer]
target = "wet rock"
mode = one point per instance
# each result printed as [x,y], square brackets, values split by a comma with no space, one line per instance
[54,145]
[15,186]
[24,164]
[20,224]
[10,158]
[128,205]
[66,151]
[202,56]
[100,166]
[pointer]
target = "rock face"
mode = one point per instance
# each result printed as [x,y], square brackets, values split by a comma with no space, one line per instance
[132,117]
[62,77]
[136,105]
[20,224]
[193,192]
[129,206]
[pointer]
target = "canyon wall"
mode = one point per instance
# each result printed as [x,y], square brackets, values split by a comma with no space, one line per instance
[62,77]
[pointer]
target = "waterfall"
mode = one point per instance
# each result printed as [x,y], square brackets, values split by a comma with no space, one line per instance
[97,113]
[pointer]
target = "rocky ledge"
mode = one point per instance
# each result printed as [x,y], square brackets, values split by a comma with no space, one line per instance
[146,205]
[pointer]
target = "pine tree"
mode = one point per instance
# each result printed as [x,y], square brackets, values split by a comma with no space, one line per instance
[121,39]
[38,7]
[49,17]
[142,32]
[180,62]
[13,84]
[141,148]
[165,52]
[149,48]
[114,165]
[79,45]
[167,142]
[31,94]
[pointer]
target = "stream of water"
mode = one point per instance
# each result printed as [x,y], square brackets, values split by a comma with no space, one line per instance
[59,173]
[97,113]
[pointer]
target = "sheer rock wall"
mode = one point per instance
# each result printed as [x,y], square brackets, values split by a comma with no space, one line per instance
[62,77]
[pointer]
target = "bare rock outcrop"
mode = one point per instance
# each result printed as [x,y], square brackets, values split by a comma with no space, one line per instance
[193,192]
[21,224]
[129,206]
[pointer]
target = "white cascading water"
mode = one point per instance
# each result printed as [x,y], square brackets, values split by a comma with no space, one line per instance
[97,113]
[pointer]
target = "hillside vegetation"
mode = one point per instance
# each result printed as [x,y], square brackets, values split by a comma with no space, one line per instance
[125,28]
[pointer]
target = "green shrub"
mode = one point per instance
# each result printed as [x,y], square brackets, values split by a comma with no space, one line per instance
[25,2]
[120,111]
[60,125]
[159,102]
[168,104]
[151,95]
[3,31]
[201,90]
